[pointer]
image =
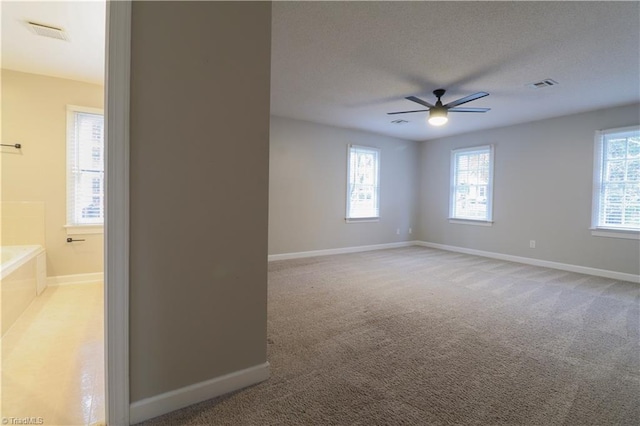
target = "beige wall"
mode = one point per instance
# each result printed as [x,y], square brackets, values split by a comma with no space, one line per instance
[199,191]
[34,114]
[308,184]
[542,191]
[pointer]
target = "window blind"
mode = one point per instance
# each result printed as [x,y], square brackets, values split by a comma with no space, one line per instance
[618,179]
[85,168]
[363,186]
[471,183]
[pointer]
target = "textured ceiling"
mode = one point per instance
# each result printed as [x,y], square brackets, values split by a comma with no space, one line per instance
[349,63]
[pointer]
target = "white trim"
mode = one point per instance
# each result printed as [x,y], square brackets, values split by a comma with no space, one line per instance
[537,262]
[174,400]
[453,182]
[626,129]
[343,250]
[471,222]
[116,290]
[598,178]
[88,110]
[616,233]
[90,278]
[378,151]
[361,220]
[73,163]
[84,229]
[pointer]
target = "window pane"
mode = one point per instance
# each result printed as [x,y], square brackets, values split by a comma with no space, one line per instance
[633,147]
[618,200]
[472,181]
[613,214]
[613,193]
[632,205]
[633,170]
[86,168]
[616,148]
[615,171]
[363,199]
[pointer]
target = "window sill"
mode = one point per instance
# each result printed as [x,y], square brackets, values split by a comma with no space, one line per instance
[626,234]
[471,222]
[361,220]
[84,229]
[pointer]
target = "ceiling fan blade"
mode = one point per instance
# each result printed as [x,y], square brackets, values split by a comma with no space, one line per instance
[467,99]
[407,112]
[420,101]
[469,109]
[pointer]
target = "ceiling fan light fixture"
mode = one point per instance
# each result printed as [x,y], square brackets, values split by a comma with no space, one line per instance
[438,116]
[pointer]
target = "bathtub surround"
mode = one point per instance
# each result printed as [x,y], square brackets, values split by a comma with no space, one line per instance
[199,162]
[22,277]
[34,114]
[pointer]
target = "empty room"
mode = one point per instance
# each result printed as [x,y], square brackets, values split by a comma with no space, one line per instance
[480,271]
[372,213]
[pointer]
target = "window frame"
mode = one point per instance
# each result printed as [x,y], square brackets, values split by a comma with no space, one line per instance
[488,221]
[348,218]
[70,227]
[598,230]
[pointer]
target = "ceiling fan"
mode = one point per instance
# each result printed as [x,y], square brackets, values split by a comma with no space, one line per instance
[438,112]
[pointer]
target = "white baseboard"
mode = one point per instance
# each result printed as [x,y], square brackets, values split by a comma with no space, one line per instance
[327,252]
[91,278]
[537,262]
[174,400]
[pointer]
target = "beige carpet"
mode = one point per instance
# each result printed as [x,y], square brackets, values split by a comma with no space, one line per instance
[418,336]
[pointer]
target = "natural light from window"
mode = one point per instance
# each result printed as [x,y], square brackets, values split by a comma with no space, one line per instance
[85,166]
[471,184]
[363,186]
[616,196]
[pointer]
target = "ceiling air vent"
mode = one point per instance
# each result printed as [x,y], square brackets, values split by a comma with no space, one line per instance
[541,84]
[47,31]
[399,121]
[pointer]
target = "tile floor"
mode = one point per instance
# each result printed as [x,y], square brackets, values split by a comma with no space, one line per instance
[53,359]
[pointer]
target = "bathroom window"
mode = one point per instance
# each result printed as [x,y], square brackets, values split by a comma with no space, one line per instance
[85,168]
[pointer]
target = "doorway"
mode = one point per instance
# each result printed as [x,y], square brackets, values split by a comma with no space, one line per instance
[59,335]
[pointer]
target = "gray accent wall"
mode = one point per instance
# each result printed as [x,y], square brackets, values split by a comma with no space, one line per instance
[200,76]
[308,184]
[543,191]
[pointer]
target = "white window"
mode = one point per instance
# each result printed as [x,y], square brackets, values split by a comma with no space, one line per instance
[471,184]
[85,167]
[363,184]
[616,188]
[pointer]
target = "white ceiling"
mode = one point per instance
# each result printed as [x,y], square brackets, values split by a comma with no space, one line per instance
[349,63]
[80,58]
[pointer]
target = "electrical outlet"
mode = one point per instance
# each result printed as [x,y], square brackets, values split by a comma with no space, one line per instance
[398,231]
[410,230]
[532,243]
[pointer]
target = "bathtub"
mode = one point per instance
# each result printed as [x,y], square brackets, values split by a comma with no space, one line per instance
[23,276]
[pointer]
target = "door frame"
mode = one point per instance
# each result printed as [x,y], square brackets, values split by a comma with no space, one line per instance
[116,288]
